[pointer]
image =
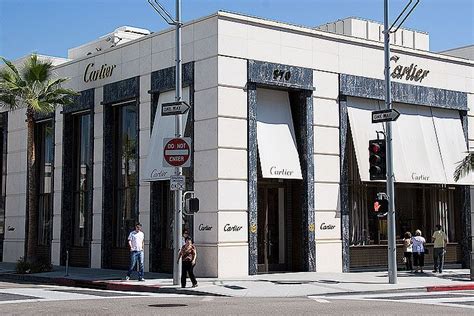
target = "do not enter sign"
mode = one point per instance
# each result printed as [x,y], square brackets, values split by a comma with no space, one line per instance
[177,152]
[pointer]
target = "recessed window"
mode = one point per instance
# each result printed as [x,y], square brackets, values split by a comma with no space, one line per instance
[45,163]
[125,170]
[82,176]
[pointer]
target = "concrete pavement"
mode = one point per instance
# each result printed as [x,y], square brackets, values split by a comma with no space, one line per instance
[265,285]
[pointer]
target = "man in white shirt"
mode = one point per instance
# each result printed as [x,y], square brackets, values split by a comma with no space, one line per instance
[136,242]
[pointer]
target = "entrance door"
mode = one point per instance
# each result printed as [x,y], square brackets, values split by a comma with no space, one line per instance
[271,230]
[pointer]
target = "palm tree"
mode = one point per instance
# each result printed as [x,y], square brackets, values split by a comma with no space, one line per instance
[33,87]
[465,166]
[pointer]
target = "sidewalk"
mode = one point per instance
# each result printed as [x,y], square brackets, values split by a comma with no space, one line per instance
[267,285]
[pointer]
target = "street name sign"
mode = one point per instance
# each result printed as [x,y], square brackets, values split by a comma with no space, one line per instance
[385,115]
[177,183]
[177,152]
[174,108]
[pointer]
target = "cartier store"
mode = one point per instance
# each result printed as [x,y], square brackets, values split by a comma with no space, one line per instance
[279,126]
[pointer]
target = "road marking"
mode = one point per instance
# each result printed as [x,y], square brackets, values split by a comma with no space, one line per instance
[319,300]
[207,299]
[448,299]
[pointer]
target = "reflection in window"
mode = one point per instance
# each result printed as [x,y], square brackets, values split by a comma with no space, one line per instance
[82,176]
[125,172]
[45,160]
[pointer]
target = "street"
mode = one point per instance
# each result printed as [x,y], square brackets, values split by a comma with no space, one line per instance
[30,299]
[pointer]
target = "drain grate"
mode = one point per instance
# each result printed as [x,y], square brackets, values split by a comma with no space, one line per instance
[167,305]
[235,287]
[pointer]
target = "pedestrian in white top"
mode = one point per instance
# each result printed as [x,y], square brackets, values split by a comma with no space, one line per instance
[136,242]
[418,247]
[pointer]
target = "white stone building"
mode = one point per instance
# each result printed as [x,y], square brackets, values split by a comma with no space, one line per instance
[280,123]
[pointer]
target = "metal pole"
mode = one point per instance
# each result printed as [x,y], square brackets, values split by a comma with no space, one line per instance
[178,133]
[392,250]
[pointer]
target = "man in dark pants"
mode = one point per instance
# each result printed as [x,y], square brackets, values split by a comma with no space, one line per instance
[189,255]
[439,240]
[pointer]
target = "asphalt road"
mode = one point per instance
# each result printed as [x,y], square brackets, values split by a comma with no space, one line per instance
[54,300]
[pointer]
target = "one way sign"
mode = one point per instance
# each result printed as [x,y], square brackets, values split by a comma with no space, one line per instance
[385,116]
[174,108]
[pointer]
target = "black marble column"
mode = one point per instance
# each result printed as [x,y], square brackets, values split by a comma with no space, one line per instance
[306,151]
[252,174]
[466,219]
[344,183]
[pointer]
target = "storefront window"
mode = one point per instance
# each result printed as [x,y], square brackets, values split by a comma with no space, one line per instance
[82,176]
[417,206]
[125,172]
[45,160]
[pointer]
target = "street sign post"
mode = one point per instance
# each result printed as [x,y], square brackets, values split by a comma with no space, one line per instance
[177,183]
[174,108]
[388,115]
[177,152]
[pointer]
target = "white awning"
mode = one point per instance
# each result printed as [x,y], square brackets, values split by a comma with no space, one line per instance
[276,136]
[416,156]
[163,127]
[427,143]
[452,143]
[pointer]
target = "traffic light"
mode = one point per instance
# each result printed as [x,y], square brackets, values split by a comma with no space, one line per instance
[192,205]
[377,159]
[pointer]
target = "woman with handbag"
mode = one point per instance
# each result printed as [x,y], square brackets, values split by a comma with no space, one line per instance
[407,251]
[418,243]
[189,255]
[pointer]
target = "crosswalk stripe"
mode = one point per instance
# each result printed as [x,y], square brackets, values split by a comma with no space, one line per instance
[319,300]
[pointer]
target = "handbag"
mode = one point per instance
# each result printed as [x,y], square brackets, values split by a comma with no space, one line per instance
[404,260]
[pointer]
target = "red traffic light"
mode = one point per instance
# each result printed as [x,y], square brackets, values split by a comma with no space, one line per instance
[374,148]
[377,168]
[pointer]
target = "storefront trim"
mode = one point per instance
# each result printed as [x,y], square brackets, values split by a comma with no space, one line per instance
[81,102]
[121,90]
[372,88]
[264,74]
[164,79]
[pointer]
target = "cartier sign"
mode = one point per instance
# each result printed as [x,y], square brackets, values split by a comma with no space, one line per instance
[93,73]
[409,73]
[232,228]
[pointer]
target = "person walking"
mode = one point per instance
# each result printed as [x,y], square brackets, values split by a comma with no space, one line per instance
[136,242]
[407,251]
[439,240]
[418,247]
[185,235]
[189,254]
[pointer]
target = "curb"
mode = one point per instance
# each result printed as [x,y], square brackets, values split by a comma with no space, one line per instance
[102,285]
[460,287]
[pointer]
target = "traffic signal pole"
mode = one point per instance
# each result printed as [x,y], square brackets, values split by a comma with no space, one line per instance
[392,249]
[178,194]
[178,133]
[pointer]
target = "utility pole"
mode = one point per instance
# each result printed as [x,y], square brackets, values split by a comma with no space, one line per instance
[178,133]
[392,247]
[178,194]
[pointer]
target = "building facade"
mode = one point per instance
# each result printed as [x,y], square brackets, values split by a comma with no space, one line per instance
[280,124]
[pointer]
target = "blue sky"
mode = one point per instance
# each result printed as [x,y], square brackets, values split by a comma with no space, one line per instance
[50,27]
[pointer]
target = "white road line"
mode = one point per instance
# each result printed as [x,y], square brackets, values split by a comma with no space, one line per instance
[319,300]
[207,299]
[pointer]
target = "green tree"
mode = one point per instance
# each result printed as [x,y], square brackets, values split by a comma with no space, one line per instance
[465,166]
[32,86]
